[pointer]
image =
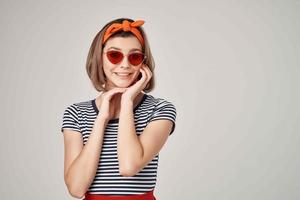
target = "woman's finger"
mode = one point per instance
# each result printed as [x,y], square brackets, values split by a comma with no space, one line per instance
[148,72]
[114,91]
[144,75]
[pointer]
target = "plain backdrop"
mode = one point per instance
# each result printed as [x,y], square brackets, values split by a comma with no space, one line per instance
[231,68]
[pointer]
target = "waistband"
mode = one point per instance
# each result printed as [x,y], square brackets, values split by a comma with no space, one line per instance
[146,196]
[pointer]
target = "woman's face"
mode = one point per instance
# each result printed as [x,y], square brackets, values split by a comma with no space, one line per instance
[112,71]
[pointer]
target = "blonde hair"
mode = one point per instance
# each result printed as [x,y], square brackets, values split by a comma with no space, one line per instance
[94,63]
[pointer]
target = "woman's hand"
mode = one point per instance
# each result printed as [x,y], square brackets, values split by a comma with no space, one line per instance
[132,91]
[108,102]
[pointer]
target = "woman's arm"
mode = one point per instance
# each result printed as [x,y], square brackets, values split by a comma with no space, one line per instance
[135,152]
[81,172]
[129,147]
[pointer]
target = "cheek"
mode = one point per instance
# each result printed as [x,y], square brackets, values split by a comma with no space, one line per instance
[105,63]
[107,67]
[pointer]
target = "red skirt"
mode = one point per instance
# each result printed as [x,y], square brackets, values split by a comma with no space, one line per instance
[146,196]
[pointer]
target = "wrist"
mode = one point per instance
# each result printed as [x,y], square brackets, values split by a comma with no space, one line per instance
[101,119]
[126,104]
[126,100]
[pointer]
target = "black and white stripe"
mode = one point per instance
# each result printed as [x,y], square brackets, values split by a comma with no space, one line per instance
[81,116]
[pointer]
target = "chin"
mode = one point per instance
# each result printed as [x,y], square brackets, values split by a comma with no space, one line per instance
[123,84]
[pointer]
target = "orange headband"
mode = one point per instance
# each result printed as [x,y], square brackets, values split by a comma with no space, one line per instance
[125,26]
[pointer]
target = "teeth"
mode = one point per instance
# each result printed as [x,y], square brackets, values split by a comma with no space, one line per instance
[122,74]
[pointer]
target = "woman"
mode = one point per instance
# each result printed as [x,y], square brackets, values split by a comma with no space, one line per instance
[112,142]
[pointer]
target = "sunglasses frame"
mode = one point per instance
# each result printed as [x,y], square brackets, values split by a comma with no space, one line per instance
[125,55]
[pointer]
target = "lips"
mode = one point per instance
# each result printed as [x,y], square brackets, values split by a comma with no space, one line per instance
[123,75]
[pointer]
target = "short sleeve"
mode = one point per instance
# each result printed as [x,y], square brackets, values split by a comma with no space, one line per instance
[164,110]
[70,119]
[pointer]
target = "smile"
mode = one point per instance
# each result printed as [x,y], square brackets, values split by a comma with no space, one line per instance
[123,75]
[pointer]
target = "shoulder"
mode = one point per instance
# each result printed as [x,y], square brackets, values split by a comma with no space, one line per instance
[73,115]
[78,107]
[162,109]
[159,102]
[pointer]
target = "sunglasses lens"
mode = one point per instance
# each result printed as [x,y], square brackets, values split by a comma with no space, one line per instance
[136,58]
[114,56]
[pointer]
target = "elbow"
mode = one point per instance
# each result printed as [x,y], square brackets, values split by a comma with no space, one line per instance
[75,192]
[128,171]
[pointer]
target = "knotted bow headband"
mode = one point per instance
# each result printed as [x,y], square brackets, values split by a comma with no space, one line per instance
[125,26]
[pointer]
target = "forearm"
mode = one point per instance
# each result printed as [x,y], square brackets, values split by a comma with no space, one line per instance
[83,169]
[130,150]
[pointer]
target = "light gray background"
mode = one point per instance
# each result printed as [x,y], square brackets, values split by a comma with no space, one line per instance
[230,67]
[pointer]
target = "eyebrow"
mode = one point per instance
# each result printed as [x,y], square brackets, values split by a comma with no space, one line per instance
[134,49]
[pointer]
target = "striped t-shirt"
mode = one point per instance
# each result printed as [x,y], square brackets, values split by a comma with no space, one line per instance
[108,181]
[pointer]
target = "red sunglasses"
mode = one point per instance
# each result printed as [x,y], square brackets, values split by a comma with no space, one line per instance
[134,58]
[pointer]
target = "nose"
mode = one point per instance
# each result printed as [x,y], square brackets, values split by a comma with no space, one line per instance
[125,63]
